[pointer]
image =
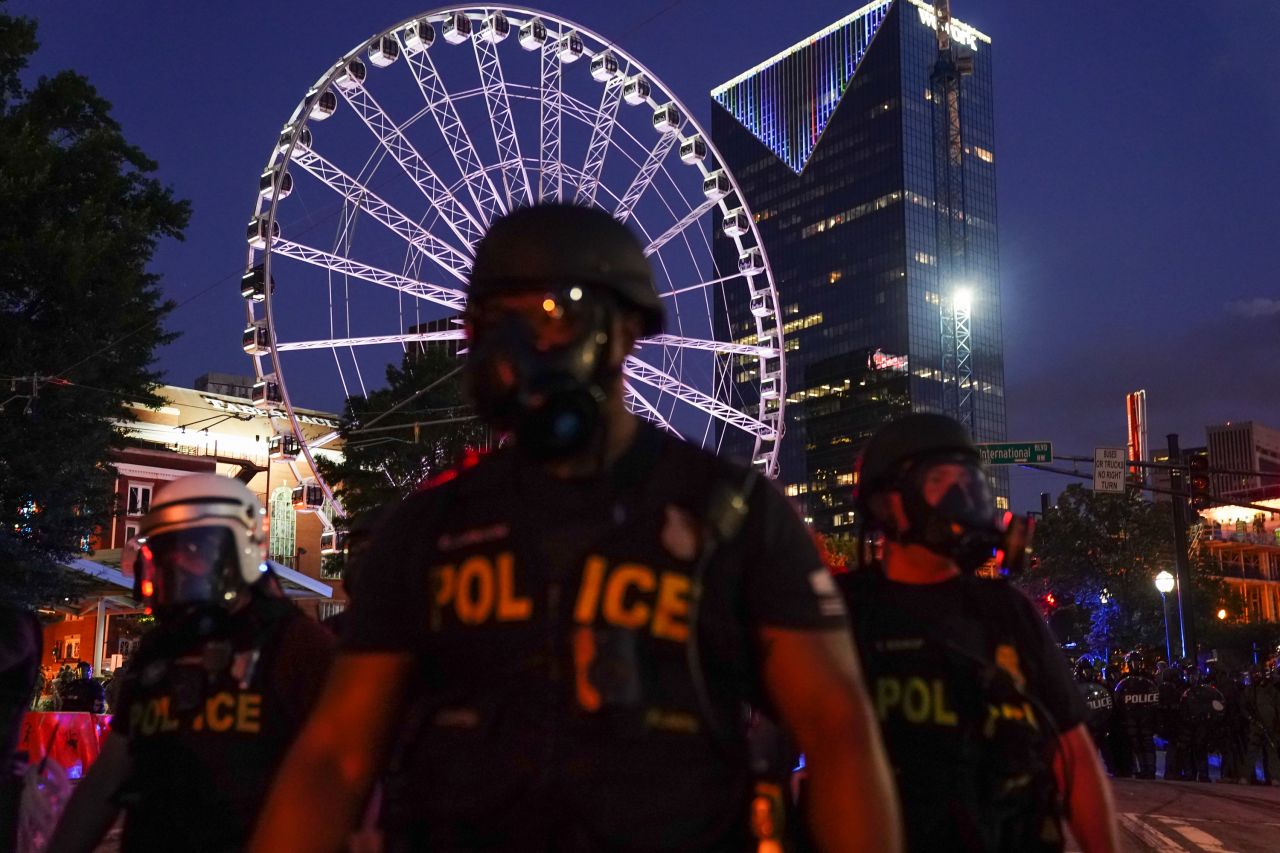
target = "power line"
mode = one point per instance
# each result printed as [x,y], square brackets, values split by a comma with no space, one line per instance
[1217,499]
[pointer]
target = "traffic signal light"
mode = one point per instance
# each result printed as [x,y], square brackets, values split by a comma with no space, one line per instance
[1198,480]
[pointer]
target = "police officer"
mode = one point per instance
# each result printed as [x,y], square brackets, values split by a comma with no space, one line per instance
[1235,726]
[84,693]
[1137,699]
[216,691]
[1169,720]
[1201,708]
[588,607]
[1097,698]
[974,697]
[1262,707]
[20,644]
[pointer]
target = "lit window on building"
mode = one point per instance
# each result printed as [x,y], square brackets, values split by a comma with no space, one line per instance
[1002,502]
[139,499]
[834,276]
[983,154]
[925,258]
[284,527]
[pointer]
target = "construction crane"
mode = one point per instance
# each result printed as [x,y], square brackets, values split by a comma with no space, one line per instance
[951,66]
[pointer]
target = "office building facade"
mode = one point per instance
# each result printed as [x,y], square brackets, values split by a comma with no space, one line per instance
[1244,446]
[832,143]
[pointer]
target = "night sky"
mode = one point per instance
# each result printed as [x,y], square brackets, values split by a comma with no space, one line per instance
[1137,167]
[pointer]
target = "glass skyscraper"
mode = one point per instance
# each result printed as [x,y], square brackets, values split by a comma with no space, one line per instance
[832,142]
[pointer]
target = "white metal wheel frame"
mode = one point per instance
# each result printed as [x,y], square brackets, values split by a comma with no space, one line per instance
[666,198]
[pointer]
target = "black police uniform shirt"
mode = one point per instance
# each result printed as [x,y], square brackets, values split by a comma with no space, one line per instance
[209,723]
[921,645]
[550,620]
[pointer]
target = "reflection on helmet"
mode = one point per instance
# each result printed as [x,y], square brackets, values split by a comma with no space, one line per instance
[201,543]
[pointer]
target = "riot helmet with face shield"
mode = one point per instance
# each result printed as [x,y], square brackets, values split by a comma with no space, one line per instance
[199,546]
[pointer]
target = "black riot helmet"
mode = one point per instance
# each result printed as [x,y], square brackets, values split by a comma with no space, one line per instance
[546,285]
[1136,663]
[557,244]
[931,461]
[1194,674]
[1085,672]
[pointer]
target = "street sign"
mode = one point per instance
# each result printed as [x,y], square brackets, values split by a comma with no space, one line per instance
[1109,466]
[1017,453]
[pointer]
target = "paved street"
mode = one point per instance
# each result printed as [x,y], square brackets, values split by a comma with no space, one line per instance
[1190,817]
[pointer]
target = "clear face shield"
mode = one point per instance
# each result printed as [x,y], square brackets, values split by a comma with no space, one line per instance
[188,567]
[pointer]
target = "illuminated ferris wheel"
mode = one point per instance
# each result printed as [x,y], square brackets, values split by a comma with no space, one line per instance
[397,159]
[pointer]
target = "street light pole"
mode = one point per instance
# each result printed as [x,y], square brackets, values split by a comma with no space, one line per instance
[1168,647]
[1186,608]
[1164,583]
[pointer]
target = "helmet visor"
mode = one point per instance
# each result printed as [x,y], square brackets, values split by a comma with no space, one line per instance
[957,490]
[195,565]
[545,319]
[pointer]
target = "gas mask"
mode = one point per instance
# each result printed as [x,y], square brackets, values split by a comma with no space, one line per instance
[950,510]
[538,365]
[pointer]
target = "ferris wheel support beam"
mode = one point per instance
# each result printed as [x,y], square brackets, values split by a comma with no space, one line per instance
[702,284]
[514,176]
[373,340]
[389,135]
[675,230]
[665,382]
[550,175]
[650,412]
[474,175]
[327,438]
[645,176]
[601,136]
[446,296]
[450,259]
[722,347]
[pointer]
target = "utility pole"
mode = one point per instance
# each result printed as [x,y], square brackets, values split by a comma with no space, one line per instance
[1186,604]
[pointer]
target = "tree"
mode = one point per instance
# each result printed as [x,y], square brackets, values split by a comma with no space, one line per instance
[80,316]
[1098,556]
[390,452]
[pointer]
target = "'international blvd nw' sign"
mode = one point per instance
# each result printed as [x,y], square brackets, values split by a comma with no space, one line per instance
[1017,453]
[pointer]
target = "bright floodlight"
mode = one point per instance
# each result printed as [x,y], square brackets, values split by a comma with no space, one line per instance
[1164,582]
[1222,613]
[963,299]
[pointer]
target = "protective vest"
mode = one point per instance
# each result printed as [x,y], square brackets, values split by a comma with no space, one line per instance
[562,704]
[996,793]
[204,733]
